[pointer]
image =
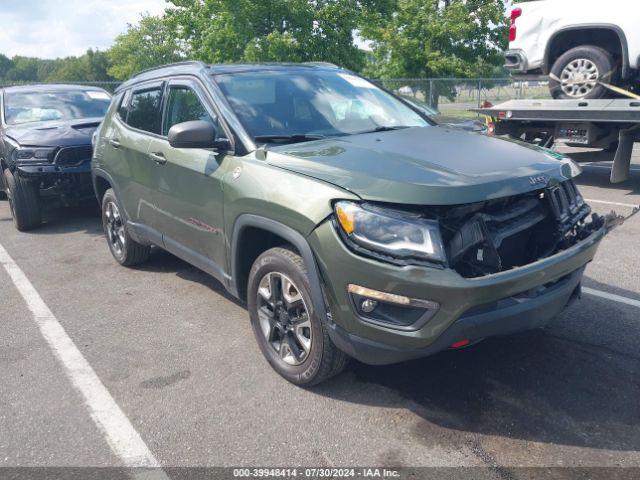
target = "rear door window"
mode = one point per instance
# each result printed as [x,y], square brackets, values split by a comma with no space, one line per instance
[145,110]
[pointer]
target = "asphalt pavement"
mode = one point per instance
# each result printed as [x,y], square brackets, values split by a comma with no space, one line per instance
[177,356]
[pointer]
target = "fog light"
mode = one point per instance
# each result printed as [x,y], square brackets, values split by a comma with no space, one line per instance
[392,297]
[368,305]
[390,309]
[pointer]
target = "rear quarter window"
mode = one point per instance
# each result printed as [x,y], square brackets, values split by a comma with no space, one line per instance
[123,105]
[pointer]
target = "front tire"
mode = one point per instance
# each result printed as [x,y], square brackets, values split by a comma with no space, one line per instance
[24,201]
[576,74]
[124,249]
[292,337]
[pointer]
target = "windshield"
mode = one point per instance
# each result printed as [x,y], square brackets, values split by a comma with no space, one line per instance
[428,110]
[312,103]
[27,107]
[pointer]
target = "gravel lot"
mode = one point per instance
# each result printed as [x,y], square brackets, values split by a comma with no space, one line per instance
[178,357]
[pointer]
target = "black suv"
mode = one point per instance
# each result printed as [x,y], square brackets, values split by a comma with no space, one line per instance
[45,147]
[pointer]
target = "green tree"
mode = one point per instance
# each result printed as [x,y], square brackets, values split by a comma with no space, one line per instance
[90,67]
[272,30]
[436,38]
[150,43]
[5,65]
[97,65]
[24,69]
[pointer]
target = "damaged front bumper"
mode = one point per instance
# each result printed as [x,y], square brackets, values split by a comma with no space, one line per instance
[468,309]
[68,184]
[612,220]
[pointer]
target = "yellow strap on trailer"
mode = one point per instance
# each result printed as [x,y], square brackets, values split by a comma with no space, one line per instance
[619,90]
[613,88]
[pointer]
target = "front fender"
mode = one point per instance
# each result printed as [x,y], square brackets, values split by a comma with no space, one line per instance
[291,236]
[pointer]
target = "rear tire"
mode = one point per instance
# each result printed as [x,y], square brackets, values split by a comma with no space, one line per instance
[124,249]
[575,74]
[24,201]
[293,339]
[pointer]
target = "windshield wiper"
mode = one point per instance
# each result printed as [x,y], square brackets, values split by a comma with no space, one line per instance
[384,129]
[295,137]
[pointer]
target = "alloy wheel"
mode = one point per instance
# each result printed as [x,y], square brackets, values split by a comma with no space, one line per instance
[579,77]
[284,318]
[114,228]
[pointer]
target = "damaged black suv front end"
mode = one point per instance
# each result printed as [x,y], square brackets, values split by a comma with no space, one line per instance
[45,147]
[63,176]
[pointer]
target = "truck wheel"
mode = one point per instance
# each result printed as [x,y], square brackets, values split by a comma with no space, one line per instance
[124,249]
[24,201]
[290,334]
[576,73]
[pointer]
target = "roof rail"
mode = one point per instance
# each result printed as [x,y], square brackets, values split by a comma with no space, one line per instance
[159,67]
[322,64]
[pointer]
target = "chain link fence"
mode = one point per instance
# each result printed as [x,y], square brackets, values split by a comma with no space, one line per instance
[452,97]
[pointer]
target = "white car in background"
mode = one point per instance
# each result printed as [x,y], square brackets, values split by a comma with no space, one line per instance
[580,44]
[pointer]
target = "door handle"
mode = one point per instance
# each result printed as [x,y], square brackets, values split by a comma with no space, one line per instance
[115,143]
[158,157]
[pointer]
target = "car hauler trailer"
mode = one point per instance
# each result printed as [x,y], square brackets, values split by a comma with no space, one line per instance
[611,125]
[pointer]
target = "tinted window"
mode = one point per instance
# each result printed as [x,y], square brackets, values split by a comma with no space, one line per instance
[144,110]
[184,105]
[27,107]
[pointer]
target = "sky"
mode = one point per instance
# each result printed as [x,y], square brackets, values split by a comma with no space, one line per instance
[61,28]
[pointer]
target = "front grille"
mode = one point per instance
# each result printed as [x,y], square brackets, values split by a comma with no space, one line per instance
[499,235]
[73,156]
[567,204]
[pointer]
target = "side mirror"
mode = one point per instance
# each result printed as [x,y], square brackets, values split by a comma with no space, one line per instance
[195,134]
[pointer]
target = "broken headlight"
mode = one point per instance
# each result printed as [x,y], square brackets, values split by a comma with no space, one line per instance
[390,232]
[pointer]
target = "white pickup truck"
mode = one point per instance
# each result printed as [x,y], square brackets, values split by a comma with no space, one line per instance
[580,44]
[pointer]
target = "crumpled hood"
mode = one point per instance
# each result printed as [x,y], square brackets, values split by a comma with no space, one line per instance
[55,133]
[426,166]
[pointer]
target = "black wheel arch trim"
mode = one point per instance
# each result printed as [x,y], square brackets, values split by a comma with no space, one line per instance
[100,173]
[290,235]
[626,70]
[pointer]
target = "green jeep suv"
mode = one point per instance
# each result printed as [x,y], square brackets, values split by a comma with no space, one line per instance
[350,224]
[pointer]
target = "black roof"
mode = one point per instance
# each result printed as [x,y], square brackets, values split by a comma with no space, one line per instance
[52,87]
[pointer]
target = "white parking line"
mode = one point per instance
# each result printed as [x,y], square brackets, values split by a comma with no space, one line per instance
[608,167]
[611,296]
[618,204]
[121,436]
